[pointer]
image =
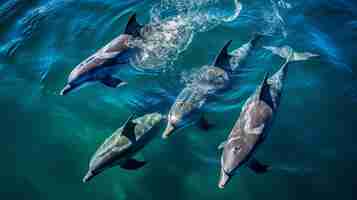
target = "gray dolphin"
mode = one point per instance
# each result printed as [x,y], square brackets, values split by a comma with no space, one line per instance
[209,80]
[102,65]
[255,120]
[123,144]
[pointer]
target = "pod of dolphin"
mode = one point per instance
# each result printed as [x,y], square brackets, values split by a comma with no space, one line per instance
[249,131]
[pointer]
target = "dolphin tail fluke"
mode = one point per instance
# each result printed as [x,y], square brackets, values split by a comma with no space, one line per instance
[112,82]
[289,54]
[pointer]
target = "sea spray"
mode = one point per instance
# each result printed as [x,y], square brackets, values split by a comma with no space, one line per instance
[169,34]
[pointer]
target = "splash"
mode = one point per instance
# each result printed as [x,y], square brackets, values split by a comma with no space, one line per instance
[284,4]
[163,41]
[274,22]
[172,27]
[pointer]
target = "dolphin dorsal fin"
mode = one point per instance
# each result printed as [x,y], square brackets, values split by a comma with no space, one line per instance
[222,60]
[129,129]
[264,87]
[264,91]
[133,27]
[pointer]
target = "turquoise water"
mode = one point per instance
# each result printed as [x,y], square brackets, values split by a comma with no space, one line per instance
[47,139]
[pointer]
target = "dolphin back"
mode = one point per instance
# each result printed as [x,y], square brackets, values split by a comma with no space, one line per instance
[120,143]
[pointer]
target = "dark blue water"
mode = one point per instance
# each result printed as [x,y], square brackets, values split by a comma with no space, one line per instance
[47,139]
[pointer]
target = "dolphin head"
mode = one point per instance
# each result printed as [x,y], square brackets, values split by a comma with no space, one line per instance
[107,156]
[95,169]
[223,179]
[71,86]
[67,88]
[177,117]
[232,158]
[185,109]
[97,164]
[90,174]
[173,122]
[97,66]
[75,80]
[102,160]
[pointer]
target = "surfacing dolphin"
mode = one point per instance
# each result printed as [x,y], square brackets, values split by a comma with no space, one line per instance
[209,80]
[123,144]
[255,120]
[102,65]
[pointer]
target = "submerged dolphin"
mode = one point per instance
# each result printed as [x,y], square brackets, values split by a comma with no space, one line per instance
[102,65]
[255,120]
[123,144]
[210,80]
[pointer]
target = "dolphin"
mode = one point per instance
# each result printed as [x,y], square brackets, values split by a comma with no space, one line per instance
[123,144]
[209,80]
[255,120]
[102,65]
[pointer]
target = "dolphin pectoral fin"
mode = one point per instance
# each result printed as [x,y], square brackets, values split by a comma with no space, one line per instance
[129,129]
[258,167]
[112,82]
[221,146]
[132,164]
[204,124]
[255,38]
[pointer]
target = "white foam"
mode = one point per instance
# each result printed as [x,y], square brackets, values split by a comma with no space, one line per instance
[168,36]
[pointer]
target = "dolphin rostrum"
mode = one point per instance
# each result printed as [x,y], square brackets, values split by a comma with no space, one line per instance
[102,65]
[123,144]
[209,80]
[255,120]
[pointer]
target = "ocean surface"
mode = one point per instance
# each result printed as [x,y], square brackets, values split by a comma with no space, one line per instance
[47,139]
